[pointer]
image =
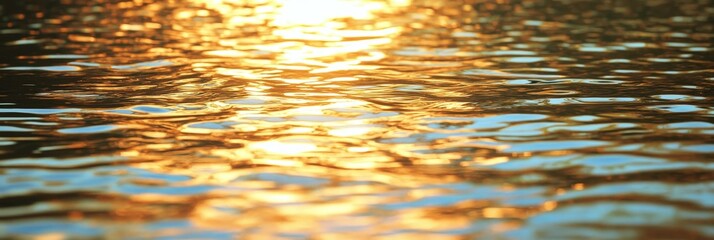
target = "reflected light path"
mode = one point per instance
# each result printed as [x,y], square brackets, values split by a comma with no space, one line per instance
[356,119]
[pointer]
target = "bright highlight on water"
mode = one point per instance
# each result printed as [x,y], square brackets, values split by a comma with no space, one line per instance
[356,119]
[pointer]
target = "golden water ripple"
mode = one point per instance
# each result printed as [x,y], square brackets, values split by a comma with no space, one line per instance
[374,119]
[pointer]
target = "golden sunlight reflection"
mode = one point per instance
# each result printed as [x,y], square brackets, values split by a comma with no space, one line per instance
[351,131]
[295,207]
[284,147]
[307,33]
[355,119]
[320,12]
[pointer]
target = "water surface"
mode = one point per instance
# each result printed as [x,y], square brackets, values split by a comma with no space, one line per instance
[346,119]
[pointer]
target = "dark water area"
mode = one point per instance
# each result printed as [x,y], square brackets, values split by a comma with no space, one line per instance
[356,119]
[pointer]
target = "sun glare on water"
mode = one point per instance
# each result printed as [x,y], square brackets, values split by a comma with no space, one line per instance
[316,12]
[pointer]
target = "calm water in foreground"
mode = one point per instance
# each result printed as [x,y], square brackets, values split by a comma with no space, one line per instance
[357,119]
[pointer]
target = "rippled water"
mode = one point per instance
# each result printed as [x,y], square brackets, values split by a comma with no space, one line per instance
[394,119]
